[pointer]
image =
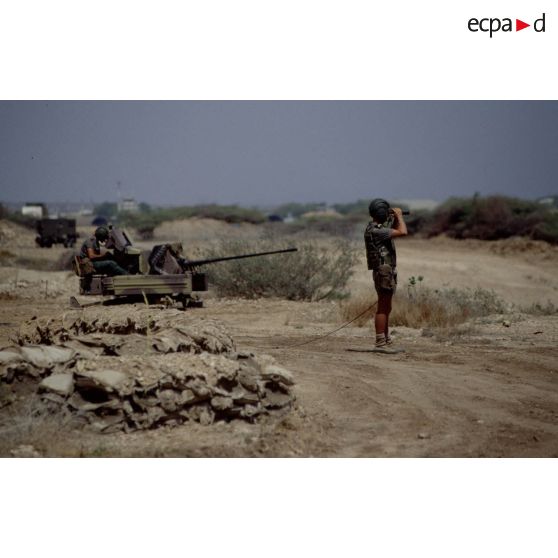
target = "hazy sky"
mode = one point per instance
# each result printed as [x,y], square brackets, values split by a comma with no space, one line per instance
[265,153]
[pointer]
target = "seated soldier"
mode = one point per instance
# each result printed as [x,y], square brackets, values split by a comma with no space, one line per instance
[101,259]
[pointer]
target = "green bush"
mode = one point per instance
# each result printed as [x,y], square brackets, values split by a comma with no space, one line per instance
[312,273]
[106,209]
[547,229]
[493,218]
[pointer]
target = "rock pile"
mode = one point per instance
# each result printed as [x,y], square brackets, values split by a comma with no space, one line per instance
[140,368]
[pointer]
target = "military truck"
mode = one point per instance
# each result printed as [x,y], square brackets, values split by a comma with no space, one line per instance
[56,231]
[163,273]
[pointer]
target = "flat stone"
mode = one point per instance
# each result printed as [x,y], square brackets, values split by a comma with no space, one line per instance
[169,400]
[243,397]
[249,411]
[145,402]
[200,413]
[110,380]
[277,374]
[77,402]
[127,408]
[109,424]
[277,399]
[244,355]
[7,357]
[45,356]
[188,397]
[249,379]
[221,403]
[172,341]
[53,398]
[200,388]
[61,384]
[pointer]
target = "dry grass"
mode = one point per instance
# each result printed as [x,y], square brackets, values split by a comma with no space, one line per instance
[417,306]
[357,304]
[537,309]
[6,257]
[30,423]
[9,295]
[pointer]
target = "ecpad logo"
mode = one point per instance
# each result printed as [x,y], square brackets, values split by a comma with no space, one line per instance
[493,25]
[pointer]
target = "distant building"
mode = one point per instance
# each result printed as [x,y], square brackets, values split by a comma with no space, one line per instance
[129,205]
[35,210]
[550,200]
[328,213]
[415,205]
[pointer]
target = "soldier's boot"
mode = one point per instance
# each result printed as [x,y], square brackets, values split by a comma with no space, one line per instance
[382,345]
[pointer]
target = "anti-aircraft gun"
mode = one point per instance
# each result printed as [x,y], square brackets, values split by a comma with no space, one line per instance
[165,272]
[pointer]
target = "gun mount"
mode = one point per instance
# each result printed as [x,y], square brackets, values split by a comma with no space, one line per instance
[164,273]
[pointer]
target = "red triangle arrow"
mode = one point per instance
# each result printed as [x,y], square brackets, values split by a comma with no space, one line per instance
[519,25]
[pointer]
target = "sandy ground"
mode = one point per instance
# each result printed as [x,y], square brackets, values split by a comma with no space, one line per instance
[482,389]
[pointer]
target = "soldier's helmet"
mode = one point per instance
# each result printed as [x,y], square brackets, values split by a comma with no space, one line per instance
[101,234]
[379,210]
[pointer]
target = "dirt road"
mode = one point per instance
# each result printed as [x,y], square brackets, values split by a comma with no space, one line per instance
[491,393]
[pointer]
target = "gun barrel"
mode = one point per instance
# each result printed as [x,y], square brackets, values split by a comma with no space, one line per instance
[195,263]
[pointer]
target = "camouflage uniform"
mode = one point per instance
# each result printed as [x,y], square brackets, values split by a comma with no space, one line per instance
[105,266]
[381,256]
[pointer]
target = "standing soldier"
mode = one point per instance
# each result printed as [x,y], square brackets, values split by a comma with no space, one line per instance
[387,223]
[92,253]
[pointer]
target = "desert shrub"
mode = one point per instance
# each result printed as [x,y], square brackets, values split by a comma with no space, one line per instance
[493,218]
[6,257]
[547,229]
[144,223]
[106,209]
[416,305]
[313,273]
[538,309]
